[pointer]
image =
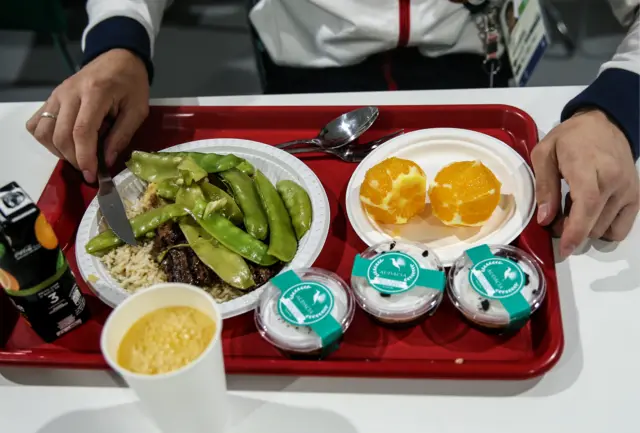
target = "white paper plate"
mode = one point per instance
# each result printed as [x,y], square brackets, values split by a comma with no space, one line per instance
[433,149]
[274,163]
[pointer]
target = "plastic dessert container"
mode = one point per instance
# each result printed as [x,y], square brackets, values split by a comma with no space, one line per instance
[398,283]
[305,312]
[497,287]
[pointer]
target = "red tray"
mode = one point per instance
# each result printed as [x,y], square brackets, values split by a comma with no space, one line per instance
[444,346]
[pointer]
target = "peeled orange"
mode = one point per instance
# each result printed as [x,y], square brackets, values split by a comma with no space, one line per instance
[464,193]
[394,190]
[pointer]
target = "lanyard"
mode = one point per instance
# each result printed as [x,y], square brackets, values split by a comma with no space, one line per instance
[491,61]
[486,17]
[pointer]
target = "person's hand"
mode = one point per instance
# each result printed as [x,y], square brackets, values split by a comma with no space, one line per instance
[594,157]
[114,83]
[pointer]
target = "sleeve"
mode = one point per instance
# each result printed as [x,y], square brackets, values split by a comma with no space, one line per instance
[128,24]
[616,91]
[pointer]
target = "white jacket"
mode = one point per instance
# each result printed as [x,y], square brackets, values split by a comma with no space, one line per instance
[324,33]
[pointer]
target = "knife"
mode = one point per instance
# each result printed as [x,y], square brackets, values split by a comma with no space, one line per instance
[109,200]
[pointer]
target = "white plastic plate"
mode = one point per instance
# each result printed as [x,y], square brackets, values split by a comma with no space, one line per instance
[274,163]
[433,149]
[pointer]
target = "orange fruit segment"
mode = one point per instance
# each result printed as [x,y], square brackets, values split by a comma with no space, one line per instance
[394,190]
[464,193]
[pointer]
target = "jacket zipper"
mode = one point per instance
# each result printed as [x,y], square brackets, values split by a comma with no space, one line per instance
[405,23]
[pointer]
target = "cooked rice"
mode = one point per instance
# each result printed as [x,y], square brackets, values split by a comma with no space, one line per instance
[148,201]
[134,266]
[225,293]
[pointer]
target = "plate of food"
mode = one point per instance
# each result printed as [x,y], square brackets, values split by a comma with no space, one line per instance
[449,189]
[226,215]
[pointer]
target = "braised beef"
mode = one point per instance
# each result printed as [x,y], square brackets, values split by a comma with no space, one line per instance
[182,265]
[262,274]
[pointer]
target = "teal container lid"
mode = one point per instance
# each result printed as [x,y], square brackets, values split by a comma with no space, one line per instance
[497,285]
[398,280]
[304,310]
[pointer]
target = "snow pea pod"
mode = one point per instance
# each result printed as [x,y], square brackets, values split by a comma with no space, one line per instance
[190,171]
[192,198]
[189,196]
[246,195]
[282,240]
[212,162]
[154,167]
[237,240]
[230,209]
[246,167]
[168,189]
[141,225]
[229,266]
[298,205]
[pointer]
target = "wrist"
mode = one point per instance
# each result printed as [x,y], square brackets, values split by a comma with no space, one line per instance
[119,33]
[615,94]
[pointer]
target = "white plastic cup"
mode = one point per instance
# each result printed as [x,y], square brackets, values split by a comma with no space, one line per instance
[192,399]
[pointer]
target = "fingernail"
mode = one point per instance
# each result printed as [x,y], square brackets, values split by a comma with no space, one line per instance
[111,158]
[88,176]
[567,251]
[543,213]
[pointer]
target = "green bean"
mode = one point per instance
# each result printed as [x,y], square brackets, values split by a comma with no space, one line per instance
[229,266]
[141,225]
[237,240]
[244,191]
[298,205]
[282,240]
[230,209]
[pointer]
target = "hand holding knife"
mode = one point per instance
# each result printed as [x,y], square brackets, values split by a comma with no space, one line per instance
[110,202]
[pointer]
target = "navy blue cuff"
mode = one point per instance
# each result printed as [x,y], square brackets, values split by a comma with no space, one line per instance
[119,32]
[616,92]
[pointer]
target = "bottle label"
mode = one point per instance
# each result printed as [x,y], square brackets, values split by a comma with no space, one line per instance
[53,307]
[396,272]
[33,270]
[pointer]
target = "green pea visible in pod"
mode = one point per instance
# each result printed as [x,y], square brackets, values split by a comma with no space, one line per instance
[246,195]
[282,240]
[298,204]
[237,240]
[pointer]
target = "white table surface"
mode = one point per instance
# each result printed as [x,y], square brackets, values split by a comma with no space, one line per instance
[594,388]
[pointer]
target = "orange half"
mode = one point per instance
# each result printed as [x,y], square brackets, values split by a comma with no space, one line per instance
[394,190]
[465,193]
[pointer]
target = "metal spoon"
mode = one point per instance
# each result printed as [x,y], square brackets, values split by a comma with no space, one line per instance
[340,131]
[351,152]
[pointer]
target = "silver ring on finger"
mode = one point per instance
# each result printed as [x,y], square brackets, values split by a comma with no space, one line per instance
[49,115]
